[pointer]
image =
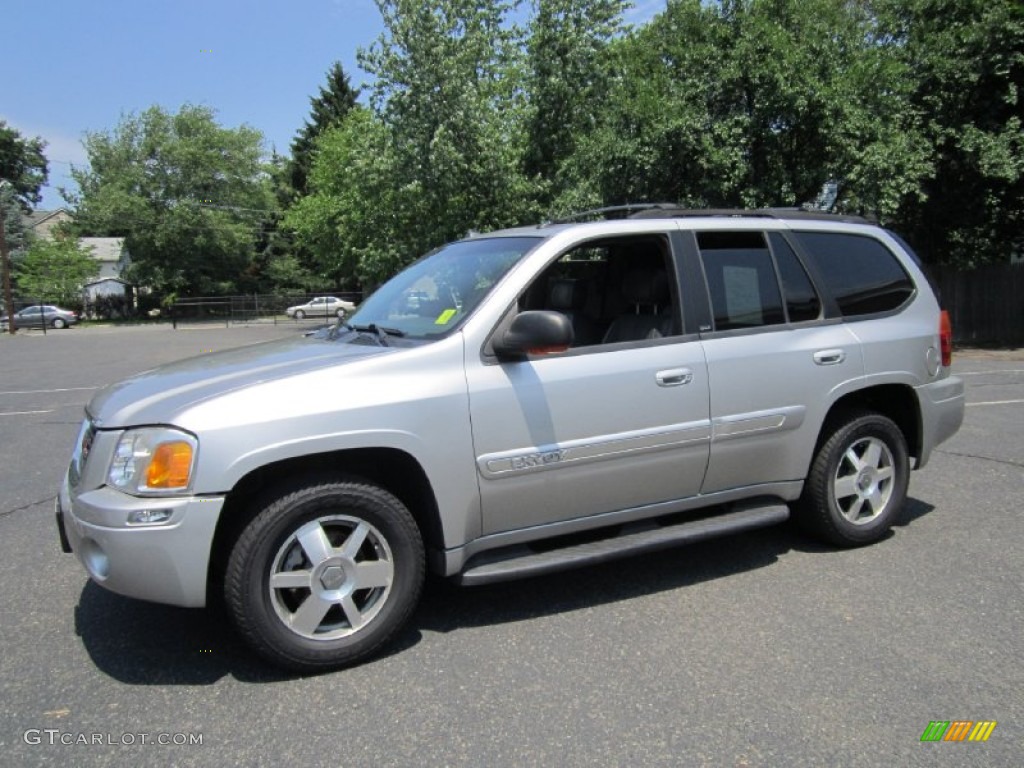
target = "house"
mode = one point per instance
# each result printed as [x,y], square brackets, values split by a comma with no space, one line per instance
[42,223]
[108,287]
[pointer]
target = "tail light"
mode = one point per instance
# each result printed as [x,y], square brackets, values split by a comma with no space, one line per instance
[946,339]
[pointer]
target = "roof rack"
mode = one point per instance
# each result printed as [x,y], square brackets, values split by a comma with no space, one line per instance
[739,213]
[605,212]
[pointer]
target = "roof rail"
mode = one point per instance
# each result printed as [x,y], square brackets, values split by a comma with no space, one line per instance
[605,212]
[764,213]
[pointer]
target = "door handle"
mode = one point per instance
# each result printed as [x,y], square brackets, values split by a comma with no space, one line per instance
[829,356]
[673,377]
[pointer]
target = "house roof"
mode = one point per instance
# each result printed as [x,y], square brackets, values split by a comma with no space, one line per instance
[35,218]
[104,248]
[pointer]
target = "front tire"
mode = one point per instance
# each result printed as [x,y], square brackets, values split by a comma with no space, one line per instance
[858,481]
[325,575]
[300,315]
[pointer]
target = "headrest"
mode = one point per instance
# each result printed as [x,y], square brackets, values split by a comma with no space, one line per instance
[645,287]
[566,294]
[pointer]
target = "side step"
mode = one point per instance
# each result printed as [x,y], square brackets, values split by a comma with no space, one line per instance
[521,562]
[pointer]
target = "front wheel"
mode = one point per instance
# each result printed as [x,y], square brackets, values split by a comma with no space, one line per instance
[858,481]
[299,314]
[325,575]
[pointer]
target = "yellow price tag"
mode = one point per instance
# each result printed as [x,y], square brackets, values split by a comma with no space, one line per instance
[445,317]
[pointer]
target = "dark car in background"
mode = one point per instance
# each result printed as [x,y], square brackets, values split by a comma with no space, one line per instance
[42,314]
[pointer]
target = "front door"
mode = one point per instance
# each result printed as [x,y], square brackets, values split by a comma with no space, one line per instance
[618,423]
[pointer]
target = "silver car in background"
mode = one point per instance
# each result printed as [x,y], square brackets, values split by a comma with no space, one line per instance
[321,306]
[42,315]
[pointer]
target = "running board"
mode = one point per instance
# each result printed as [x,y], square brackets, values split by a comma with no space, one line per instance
[522,562]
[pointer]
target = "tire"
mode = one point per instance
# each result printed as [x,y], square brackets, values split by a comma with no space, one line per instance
[340,313]
[325,575]
[858,481]
[59,323]
[300,315]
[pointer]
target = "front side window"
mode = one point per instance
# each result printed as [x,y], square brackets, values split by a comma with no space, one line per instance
[613,290]
[434,295]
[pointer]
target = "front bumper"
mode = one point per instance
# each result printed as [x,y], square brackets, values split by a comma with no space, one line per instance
[165,563]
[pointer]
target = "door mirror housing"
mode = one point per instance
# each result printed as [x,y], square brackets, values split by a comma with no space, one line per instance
[535,332]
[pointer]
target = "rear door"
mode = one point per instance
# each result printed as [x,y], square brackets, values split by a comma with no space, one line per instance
[775,358]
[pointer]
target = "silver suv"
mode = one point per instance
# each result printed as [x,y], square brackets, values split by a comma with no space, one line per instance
[517,403]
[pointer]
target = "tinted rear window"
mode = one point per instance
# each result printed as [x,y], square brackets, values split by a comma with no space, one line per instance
[862,275]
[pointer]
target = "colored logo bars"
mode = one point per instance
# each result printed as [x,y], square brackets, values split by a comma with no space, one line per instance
[958,730]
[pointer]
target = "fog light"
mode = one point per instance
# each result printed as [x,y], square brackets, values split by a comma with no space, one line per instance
[149,516]
[95,559]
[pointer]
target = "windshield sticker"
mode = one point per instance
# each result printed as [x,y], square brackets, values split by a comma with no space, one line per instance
[445,317]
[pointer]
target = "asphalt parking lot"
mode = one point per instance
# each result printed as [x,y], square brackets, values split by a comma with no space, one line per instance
[763,649]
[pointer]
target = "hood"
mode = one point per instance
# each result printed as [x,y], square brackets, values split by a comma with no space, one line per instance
[157,396]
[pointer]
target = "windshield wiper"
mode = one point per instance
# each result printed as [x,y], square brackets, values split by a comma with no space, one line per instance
[379,332]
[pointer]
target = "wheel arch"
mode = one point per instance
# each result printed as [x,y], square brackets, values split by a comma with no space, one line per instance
[390,468]
[897,402]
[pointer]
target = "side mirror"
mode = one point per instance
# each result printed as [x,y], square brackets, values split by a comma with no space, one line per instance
[536,332]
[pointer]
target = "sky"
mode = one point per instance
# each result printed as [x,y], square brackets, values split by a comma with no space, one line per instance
[69,66]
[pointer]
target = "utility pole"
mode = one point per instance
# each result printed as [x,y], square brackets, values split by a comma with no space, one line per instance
[6,256]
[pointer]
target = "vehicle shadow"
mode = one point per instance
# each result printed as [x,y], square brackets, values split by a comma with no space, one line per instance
[142,643]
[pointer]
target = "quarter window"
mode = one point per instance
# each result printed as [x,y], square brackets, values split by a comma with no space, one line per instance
[802,302]
[862,275]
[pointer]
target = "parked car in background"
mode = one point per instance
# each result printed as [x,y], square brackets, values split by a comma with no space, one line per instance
[39,315]
[321,306]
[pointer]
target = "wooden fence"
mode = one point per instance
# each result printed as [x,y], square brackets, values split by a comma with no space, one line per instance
[986,305]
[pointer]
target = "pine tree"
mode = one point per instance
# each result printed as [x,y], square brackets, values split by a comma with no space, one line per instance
[327,110]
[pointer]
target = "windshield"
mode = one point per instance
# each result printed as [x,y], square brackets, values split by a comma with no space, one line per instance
[435,294]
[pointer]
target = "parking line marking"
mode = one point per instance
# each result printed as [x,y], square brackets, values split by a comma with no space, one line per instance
[997,402]
[47,391]
[24,413]
[990,373]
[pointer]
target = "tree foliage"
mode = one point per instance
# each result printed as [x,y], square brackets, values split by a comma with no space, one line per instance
[965,62]
[187,195]
[55,271]
[327,110]
[22,165]
[908,109]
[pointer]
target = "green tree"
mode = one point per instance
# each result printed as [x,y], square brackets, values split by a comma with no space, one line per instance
[55,271]
[327,109]
[355,222]
[966,61]
[567,76]
[22,165]
[188,196]
[448,92]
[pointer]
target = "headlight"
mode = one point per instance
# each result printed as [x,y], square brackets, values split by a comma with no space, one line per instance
[153,461]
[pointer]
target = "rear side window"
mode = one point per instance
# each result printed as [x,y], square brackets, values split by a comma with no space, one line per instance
[741,279]
[862,275]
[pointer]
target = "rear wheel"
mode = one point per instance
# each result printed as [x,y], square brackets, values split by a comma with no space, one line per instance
[858,481]
[59,323]
[325,575]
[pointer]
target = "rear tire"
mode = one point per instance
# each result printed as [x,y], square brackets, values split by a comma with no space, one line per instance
[325,575]
[59,323]
[858,481]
